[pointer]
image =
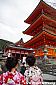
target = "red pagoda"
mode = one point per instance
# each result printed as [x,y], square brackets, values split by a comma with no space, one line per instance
[43,29]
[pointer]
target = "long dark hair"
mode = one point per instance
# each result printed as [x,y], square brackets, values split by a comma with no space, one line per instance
[11,62]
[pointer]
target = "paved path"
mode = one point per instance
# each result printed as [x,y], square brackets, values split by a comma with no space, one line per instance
[49,77]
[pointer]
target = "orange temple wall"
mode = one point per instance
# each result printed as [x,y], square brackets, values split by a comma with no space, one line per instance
[50,52]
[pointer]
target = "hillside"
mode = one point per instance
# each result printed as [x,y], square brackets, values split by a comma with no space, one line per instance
[4,43]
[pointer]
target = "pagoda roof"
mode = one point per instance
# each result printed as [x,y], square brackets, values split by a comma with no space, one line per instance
[41,39]
[41,23]
[42,8]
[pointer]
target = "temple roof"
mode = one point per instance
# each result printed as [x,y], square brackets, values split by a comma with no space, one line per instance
[20,42]
[44,38]
[43,22]
[19,48]
[42,8]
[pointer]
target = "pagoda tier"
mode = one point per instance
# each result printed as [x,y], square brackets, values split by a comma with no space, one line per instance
[41,39]
[42,8]
[42,23]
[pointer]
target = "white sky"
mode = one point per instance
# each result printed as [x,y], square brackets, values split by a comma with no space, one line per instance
[12,16]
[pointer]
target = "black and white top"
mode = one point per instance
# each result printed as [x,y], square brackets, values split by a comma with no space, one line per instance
[33,71]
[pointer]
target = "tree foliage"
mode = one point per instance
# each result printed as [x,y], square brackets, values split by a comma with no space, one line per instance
[4,44]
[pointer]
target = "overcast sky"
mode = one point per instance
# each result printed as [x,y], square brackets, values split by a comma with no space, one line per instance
[12,16]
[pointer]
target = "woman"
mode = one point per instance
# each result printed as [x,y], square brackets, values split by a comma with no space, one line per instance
[12,77]
[33,74]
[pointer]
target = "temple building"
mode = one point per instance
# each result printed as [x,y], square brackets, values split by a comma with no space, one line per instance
[17,50]
[43,29]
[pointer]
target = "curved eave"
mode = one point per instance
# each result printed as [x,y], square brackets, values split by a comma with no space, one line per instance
[28,30]
[40,39]
[19,48]
[38,10]
[40,22]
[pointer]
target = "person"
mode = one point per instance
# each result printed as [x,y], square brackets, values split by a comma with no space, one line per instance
[12,76]
[33,74]
[23,68]
[0,70]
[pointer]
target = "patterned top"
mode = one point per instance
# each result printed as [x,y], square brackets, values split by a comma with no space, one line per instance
[10,78]
[33,71]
